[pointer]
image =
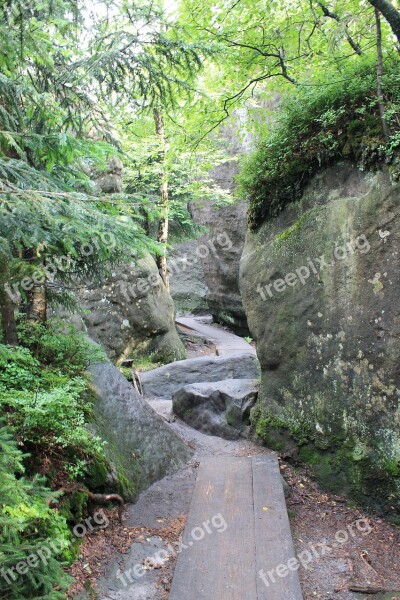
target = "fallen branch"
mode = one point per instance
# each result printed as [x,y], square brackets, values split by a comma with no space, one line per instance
[137,382]
[102,499]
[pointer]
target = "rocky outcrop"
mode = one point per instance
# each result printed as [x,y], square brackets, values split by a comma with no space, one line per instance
[165,381]
[132,313]
[214,260]
[140,446]
[220,250]
[320,285]
[187,282]
[109,181]
[221,408]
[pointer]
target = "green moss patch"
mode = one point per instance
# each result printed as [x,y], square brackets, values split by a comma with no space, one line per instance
[348,466]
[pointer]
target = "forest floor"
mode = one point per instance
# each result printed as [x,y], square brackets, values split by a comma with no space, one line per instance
[344,562]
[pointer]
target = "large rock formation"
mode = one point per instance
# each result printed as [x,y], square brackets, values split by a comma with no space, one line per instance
[221,261]
[321,288]
[109,180]
[215,259]
[132,313]
[187,281]
[140,446]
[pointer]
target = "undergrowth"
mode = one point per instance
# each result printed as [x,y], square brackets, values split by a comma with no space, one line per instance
[320,123]
[45,408]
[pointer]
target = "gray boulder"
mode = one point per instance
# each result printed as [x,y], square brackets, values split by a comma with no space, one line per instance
[165,381]
[220,250]
[214,260]
[132,313]
[221,408]
[109,181]
[140,445]
[187,283]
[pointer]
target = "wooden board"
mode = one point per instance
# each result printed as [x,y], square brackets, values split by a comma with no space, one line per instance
[238,536]
[273,538]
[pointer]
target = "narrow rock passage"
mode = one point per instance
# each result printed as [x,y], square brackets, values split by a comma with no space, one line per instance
[171,497]
[315,517]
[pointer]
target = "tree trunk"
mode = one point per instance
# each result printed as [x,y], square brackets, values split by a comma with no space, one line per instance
[9,329]
[391,14]
[162,235]
[37,307]
[381,101]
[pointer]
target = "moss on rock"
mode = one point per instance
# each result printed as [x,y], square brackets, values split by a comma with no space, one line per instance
[314,129]
[328,345]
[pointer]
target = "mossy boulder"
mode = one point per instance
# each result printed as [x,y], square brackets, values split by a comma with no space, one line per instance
[320,286]
[140,448]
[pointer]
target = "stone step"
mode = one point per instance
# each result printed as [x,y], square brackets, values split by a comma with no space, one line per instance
[164,381]
[237,530]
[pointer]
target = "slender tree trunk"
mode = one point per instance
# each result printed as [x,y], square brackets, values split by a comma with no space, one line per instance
[9,329]
[36,305]
[37,308]
[391,14]
[162,235]
[381,101]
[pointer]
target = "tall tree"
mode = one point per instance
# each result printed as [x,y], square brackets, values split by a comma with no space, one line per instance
[47,122]
[162,235]
[265,50]
[381,101]
[138,56]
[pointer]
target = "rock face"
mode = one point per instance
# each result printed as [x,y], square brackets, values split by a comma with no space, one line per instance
[131,313]
[221,408]
[109,181]
[321,288]
[140,445]
[165,381]
[215,258]
[187,282]
[220,251]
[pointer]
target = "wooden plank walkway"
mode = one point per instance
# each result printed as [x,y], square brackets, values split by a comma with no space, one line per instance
[226,343]
[237,526]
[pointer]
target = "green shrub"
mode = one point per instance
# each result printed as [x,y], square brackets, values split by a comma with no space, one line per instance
[59,346]
[46,401]
[55,417]
[319,124]
[44,394]
[18,368]
[27,524]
